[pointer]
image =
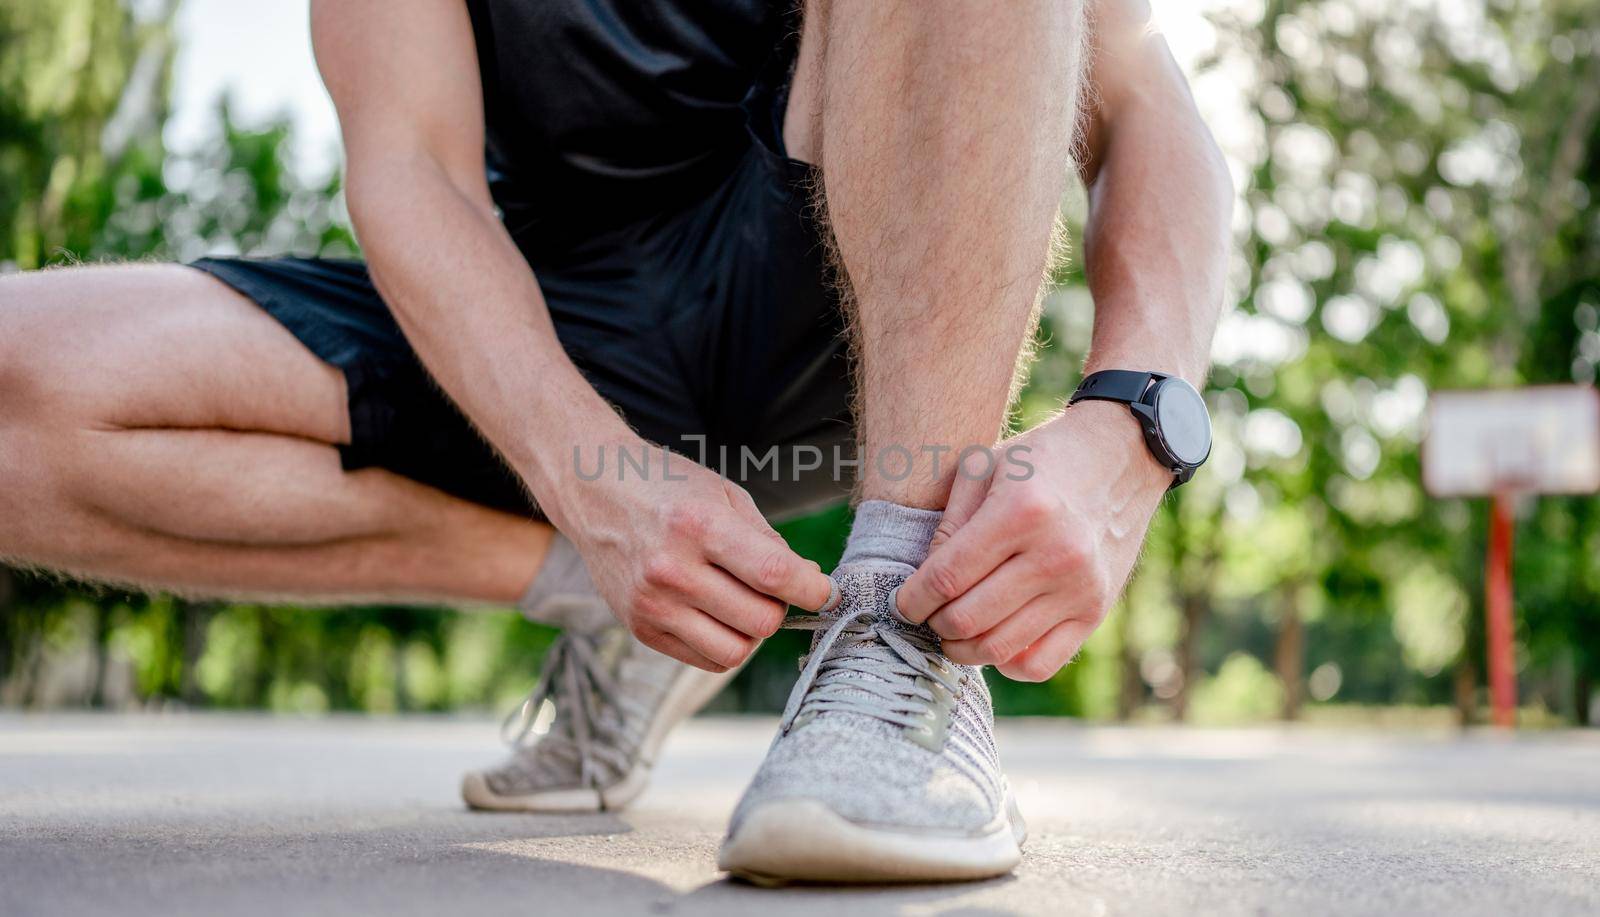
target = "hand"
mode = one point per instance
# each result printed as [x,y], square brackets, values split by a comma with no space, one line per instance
[687,562]
[1023,571]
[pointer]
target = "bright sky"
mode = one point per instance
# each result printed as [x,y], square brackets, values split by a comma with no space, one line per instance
[260,54]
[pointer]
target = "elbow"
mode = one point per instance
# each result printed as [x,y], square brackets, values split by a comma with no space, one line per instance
[369,182]
[1209,167]
[1217,170]
[1220,177]
[428,183]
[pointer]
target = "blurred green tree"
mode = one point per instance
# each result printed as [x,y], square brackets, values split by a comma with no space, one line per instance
[1417,182]
[1416,218]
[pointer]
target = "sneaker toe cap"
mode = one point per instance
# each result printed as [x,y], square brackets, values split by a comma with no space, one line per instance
[872,778]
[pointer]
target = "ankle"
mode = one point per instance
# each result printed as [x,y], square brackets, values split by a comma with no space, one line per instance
[889,536]
[562,592]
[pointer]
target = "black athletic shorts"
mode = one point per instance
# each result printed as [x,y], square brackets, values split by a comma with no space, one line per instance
[705,314]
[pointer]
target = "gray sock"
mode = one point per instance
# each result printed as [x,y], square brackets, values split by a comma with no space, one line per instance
[562,593]
[889,535]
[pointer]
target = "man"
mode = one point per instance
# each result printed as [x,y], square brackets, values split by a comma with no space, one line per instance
[687,211]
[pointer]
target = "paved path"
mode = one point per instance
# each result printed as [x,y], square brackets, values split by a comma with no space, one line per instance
[209,815]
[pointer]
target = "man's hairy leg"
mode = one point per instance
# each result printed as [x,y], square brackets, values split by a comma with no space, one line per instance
[158,429]
[944,130]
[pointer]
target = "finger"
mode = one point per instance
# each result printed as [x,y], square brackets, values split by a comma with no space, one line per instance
[972,552]
[1050,653]
[712,639]
[733,603]
[668,645]
[996,597]
[1011,636]
[768,566]
[966,495]
[745,506]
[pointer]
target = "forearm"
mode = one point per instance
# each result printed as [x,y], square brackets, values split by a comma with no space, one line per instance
[1157,236]
[1037,560]
[1032,563]
[685,560]
[472,309]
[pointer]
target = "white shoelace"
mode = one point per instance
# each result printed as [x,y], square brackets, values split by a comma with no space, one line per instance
[864,664]
[575,680]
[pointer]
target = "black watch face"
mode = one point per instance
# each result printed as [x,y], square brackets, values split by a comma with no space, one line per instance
[1182,420]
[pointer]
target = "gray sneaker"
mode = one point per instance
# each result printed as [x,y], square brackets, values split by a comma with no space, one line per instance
[615,700]
[884,768]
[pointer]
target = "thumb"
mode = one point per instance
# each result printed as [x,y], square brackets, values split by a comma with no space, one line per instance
[966,495]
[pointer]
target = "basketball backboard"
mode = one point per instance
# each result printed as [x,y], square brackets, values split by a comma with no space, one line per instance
[1540,439]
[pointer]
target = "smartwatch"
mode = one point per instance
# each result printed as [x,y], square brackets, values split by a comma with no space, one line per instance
[1172,414]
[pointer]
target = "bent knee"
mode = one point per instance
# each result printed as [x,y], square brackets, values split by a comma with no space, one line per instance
[37,335]
[24,347]
[65,334]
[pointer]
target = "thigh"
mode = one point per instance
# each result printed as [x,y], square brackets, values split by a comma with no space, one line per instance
[398,418]
[802,115]
[161,346]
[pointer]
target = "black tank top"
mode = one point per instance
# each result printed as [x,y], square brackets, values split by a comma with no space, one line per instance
[599,112]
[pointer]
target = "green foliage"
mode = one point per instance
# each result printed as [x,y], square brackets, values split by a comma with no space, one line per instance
[1242,690]
[1417,182]
[65,67]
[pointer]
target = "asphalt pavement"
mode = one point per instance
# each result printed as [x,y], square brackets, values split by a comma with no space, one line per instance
[198,814]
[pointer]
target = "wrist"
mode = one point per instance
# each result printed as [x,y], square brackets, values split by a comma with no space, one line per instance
[1186,363]
[1115,438]
[571,466]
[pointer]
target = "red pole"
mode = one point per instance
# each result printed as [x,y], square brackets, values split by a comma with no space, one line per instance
[1497,602]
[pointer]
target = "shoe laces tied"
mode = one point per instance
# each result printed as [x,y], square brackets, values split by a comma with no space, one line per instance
[575,679]
[849,671]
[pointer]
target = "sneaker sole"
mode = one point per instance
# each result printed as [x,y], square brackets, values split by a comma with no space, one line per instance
[691,690]
[802,840]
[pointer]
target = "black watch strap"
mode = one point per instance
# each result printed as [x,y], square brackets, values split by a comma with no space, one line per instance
[1123,385]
